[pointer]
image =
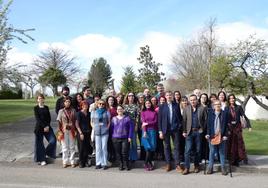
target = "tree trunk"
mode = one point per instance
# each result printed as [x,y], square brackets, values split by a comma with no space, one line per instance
[55,90]
[264,106]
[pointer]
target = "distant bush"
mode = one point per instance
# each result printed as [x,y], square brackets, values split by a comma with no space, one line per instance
[9,94]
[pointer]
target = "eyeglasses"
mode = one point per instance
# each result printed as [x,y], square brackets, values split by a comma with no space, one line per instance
[218,104]
[101,104]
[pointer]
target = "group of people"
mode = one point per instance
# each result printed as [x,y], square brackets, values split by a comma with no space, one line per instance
[121,129]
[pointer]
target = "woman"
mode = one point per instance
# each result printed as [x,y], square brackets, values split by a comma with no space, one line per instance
[203,100]
[141,100]
[100,120]
[217,135]
[84,130]
[213,97]
[184,103]
[119,98]
[66,121]
[111,107]
[132,110]
[154,102]
[177,97]
[236,146]
[149,128]
[223,99]
[43,129]
[78,98]
[122,129]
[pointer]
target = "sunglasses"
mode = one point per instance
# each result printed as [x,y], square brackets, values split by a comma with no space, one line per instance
[101,104]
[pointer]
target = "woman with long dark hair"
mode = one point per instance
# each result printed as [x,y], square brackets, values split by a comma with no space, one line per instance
[236,145]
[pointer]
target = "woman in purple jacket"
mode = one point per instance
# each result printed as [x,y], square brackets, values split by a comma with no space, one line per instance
[122,129]
[149,127]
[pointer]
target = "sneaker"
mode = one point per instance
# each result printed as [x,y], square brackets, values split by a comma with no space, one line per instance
[209,171]
[151,167]
[196,169]
[185,171]
[105,167]
[179,168]
[146,167]
[43,163]
[64,165]
[224,172]
[73,165]
[98,167]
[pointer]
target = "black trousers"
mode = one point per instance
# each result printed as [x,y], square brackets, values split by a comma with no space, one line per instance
[84,148]
[121,146]
[142,150]
[111,150]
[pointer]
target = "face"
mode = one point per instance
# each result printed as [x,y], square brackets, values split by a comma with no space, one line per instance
[154,100]
[65,92]
[162,100]
[111,101]
[87,92]
[67,103]
[85,107]
[40,100]
[184,102]
[212,99]
[203,99]
[79,98]
[217,105]
[148,105]
[221,97]
[96,99]
[119,98]
[112,92]
[169,97]
[141,100]
[146,92]
[193,101]
[120,110]
[160,89]
[177,96]
[197,92]
[231,100]
[101,104]
[130,98]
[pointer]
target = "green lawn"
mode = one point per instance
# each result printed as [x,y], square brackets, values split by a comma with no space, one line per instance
[257,140]
[13,110]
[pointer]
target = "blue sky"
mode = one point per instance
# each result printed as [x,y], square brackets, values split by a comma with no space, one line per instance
[122,26]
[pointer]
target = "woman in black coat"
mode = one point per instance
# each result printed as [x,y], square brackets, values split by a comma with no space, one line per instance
[43,129]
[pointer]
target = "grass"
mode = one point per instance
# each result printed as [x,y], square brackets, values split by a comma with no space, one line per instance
[14,110]
[256,141]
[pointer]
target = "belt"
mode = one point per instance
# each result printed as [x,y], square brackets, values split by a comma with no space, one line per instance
[195,129]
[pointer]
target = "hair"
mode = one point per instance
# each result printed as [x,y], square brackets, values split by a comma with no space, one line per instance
[75,102]
[193,95]
[160,85]
[67,98]
[231,95]
[179,94]
[97,95]
[155,100]
[122,99]
[85,88]
[225,98]
[120,105]
[65,88]
[40,95]
[207,102]
[115,101]
[126,98]
[168,92]
[151,109]
[163,98]
[213,95]
[83,103]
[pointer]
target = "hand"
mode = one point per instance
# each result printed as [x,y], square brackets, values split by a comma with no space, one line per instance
[144,124]
[145,134]
[249,129]
[82,136]
[129,139]
[184,135]
[207,137]
[46,129]
[161,136]
[224,138]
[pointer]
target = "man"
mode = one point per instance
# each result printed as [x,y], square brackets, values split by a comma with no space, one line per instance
[59,103]
[169,123]
[87,95]
[160,91]
[194,119]
[147,94]
[197,92]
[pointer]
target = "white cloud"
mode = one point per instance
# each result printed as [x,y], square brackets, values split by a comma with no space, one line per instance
[15,56]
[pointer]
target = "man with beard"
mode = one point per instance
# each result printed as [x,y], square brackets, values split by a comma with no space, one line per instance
[60,104]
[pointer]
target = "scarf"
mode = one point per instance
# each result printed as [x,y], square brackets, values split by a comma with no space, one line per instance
[100,112]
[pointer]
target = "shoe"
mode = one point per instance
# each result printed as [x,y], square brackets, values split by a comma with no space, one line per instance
[128,166]
[146,167]
[150,167]
[236,163]
[64,166]
[168,168]
[224,172]
[196,169]
[245,161]
[185,171]
[98,167]
[43,163]
[73,165]
[179,168]
[209,171]
[105,167]
[82,165]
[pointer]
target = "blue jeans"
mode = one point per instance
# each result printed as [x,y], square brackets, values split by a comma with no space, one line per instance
[175,138]
[101,143]
[133,153]
[40,151]
[193,137]
[213,150]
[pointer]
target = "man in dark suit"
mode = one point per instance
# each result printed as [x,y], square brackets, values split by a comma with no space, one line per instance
[169,123]
[194,119]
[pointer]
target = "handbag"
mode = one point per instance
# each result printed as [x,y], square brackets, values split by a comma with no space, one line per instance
[216,139]
[243,122]
[59,135]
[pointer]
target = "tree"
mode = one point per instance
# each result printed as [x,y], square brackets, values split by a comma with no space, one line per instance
[149,76]
[29,78]
[53,77]
[129,81]
[57,62]
[99,76]
[7,34]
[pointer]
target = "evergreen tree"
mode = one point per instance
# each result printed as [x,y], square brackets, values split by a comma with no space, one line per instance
[129,81]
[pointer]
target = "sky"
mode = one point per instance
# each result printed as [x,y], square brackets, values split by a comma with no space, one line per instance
[116,29]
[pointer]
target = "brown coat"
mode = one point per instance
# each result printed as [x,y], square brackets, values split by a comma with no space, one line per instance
[187,118]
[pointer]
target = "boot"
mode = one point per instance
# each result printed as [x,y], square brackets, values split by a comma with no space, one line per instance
[121,166]
[127,165]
